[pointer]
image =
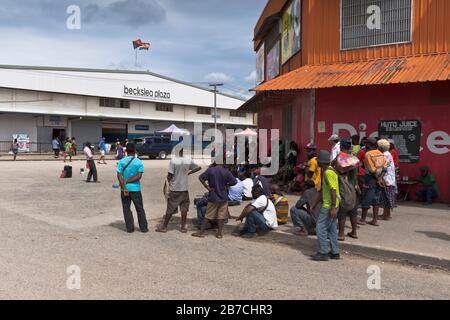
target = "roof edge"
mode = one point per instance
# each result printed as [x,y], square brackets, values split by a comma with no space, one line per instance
[113,71]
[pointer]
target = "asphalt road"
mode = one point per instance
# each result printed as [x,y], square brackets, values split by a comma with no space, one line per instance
[50,224]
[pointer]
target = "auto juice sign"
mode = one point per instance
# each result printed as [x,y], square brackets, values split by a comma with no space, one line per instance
[406,134]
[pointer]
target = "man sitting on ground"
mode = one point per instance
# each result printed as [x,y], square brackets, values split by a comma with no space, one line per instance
[430,188]
[303,216]
[247,183]
[260,216]
[235,192]
[281,204]
[262,181]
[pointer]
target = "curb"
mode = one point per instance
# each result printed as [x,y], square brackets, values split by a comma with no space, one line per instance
[376,252]
[309,245]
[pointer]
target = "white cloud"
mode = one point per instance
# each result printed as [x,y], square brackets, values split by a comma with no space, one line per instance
[218,77]
[251,78]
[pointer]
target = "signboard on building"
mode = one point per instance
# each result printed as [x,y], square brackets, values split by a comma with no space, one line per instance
[291,31]
[24,142]
[145,93]
[141,127]
[273,61]
[406,134]
[260,65]
[55,121]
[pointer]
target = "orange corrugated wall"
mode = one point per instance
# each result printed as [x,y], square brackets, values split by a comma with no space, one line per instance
[321,36]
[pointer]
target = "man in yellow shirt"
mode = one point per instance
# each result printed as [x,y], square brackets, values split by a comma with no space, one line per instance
[313,171]
[326,222]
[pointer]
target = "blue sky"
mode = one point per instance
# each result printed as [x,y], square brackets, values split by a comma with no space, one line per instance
[192,40]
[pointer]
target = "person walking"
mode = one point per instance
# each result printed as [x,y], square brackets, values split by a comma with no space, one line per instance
[15,149]
[56,147]
[90,163]
[68,150]
[74,147]
[180,168]
[102,148]
[129,173]
[326,223]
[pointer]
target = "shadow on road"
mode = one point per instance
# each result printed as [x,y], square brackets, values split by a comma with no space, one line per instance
[436,235]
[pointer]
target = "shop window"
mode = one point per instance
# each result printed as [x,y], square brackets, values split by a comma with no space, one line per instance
[202,110]
[164,107]
[114,103]
[369,23]
[238,114]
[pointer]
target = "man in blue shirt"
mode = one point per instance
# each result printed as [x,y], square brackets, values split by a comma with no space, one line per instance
[236,192]
[216,180]
[129,174]
[102,147]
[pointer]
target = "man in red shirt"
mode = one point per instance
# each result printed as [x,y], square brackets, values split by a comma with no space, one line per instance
[394,153]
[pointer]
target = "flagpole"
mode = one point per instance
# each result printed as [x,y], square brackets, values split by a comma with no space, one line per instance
[136,59]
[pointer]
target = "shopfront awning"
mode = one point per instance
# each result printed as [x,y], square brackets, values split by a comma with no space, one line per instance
[375,72]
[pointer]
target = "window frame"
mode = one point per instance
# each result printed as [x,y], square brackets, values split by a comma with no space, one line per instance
[209,112]
[341,10]
[164,105]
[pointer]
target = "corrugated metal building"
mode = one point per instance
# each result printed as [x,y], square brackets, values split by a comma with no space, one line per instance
[343,66]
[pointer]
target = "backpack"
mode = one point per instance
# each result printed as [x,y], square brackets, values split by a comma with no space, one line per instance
[375,162]
[348,194]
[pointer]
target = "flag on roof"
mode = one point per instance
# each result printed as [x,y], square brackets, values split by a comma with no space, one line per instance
[139,44]
[145,46]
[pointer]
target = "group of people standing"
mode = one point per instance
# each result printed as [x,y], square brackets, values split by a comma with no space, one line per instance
[67,146]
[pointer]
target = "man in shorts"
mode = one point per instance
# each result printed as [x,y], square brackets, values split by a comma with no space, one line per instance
[179,170]
[216,180]
[102,147]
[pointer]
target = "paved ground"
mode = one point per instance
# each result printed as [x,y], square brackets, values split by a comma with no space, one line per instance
[49,224]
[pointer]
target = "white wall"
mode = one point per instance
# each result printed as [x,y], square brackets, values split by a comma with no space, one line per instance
[14,124]
[103,84]
[20,101]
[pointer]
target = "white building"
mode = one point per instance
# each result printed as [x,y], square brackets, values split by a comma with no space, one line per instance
[88,104]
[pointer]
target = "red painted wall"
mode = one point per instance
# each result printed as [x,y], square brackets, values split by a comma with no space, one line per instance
[365,106]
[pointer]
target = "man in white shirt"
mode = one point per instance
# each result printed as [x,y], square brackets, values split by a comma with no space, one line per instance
[248,186]
[335,143]
[179,169]
[260,215]
[90,162]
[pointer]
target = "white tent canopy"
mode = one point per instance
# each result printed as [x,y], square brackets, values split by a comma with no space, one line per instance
[174,129]
[246,133]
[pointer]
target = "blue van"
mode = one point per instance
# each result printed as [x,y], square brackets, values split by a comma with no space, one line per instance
[158,146]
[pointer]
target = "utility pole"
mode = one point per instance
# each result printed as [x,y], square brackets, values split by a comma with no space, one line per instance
[215,85]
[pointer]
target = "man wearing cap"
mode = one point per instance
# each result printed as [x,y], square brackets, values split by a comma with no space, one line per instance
[335,143]
[430,188]
[313,172]
[326,223]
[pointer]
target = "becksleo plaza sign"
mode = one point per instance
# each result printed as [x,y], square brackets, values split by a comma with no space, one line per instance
[144,93]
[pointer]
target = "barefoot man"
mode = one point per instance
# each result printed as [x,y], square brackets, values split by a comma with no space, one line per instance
[179,170]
